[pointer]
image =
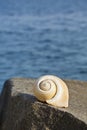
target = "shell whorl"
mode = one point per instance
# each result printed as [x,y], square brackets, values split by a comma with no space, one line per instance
[44,89]
[52,90]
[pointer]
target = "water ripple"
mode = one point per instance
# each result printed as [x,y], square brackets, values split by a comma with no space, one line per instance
[39,40]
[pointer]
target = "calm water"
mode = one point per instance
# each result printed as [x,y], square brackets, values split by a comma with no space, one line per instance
[43,37]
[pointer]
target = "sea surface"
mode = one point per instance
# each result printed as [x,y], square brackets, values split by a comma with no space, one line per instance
[40,37]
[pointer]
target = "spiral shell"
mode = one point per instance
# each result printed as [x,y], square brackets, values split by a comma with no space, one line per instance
[52,90]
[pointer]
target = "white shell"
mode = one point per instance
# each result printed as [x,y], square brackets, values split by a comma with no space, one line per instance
[52,90]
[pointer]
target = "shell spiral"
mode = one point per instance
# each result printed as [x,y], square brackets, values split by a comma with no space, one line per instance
[52,90]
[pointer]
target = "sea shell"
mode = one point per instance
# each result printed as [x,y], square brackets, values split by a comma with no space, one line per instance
[52,90]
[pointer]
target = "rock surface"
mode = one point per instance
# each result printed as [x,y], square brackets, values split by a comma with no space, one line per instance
[20,110]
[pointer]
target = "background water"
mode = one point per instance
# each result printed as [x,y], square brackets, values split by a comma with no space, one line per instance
[39,37]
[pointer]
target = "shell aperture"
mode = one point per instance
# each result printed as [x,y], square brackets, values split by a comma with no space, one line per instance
[52,90]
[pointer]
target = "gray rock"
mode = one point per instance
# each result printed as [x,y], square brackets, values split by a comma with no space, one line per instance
[20,110]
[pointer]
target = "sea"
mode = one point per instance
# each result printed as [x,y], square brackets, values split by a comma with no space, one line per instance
[43,37]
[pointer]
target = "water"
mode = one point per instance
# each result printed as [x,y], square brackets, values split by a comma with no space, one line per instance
[43,37]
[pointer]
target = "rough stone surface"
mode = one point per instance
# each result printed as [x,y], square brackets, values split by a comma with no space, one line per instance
[20,110]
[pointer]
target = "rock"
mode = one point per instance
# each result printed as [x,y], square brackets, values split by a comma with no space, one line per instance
[20,110]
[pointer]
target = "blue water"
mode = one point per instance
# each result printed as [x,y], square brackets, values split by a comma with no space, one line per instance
[43,37]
